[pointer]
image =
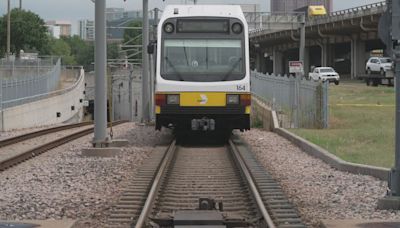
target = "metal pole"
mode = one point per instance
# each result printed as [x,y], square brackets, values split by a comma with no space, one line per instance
[20,4]
[8,29]
[130,96]
[145,63]
[302,38]
[100,105]
[152,77]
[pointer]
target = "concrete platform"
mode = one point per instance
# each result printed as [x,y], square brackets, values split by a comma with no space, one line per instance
[360,224]
[38,223]
[389,203]
[118,143]
[101,152]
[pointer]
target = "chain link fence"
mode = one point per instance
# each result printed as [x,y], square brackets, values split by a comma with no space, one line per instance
[298,103]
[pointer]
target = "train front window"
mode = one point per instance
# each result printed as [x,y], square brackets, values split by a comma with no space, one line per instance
[202,60]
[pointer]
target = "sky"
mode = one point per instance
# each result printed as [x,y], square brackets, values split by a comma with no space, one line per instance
[74,10]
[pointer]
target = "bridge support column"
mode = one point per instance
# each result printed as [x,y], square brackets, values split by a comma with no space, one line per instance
[306,61]
[278,62]
[324,54]
[358,58]
[261,62]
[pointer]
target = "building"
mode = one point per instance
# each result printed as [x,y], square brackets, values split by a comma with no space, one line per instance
[117,18]
[86,30]
[54,31]
[113,14]
[250,8]
[291,5]
[64,27]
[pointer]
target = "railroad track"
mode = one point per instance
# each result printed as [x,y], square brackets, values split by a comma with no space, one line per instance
[21,156]
[190,185]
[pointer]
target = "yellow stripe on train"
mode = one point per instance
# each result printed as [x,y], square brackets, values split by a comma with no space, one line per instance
[192,99]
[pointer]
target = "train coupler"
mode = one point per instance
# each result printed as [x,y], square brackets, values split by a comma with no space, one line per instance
[203,124]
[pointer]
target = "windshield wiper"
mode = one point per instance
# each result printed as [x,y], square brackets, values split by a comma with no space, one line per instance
[174,68]
[232,69]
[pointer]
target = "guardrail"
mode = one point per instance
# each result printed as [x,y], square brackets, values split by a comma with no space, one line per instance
[24,100]
[257,24]
[360,11]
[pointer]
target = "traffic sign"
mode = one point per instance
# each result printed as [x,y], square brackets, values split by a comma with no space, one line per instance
[296,67]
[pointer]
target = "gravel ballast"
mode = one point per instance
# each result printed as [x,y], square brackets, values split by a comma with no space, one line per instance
[319,191]
[62,184]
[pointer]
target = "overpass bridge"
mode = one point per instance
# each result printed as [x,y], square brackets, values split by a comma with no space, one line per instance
[342,39]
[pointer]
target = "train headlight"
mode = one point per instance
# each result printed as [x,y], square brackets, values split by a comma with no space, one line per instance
[237,28]
[232,99]
[173,99]
[169,28]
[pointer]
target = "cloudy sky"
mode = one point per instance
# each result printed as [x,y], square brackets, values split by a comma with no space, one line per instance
[74,10]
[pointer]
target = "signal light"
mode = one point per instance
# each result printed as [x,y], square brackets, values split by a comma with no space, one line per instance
[169,28]
[232,99]
[173,99]
[237,28]
[160,99]
[245,99]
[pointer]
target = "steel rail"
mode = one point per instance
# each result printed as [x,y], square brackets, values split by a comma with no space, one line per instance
[7,163]
[155,186]
[252,185]
[31,135]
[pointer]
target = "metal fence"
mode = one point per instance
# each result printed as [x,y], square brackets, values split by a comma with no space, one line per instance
[28,81]
[299,103]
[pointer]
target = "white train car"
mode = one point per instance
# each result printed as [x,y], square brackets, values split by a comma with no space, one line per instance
[202,69]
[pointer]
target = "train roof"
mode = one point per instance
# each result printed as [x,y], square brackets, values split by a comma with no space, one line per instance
[203,10]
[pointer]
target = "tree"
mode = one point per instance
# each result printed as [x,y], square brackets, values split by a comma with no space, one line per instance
[28,32]
[133,37]
[61,48]
[113,51]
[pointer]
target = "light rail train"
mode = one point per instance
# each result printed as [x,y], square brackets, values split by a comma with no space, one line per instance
[202,69]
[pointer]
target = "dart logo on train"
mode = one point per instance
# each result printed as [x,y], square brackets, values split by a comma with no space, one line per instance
[202,69]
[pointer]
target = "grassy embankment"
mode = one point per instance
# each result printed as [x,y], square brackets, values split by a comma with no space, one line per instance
[361,124]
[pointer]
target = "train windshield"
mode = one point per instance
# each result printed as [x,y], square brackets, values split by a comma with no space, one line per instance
[203,60]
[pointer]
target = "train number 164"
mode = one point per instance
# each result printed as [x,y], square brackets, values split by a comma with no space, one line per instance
[241,87]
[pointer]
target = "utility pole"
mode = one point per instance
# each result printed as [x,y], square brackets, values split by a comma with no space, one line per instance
[20,4]
[302,37]
[392,199]
[145,63]
[100,106]
[8,30]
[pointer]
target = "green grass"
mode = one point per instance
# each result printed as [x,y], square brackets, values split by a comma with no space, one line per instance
[361,124]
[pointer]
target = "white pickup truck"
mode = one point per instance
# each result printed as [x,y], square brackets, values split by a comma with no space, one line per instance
[325,74]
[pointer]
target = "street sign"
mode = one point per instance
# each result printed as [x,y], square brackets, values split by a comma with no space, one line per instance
[296,67]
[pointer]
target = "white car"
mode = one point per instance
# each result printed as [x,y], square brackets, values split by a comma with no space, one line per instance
[325,74]
[378,64]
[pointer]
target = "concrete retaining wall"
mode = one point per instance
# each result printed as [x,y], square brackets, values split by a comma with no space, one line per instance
[51,110]
[270,122]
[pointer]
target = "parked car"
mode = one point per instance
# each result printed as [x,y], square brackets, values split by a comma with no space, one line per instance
[378,65]
[325,74]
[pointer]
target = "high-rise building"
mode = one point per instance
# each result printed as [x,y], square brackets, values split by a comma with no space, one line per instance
[113,14]
[86,30]
[291,5]
[64,27]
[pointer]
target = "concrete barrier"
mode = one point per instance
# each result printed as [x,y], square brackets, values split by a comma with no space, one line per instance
[68,103]
[264,113]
